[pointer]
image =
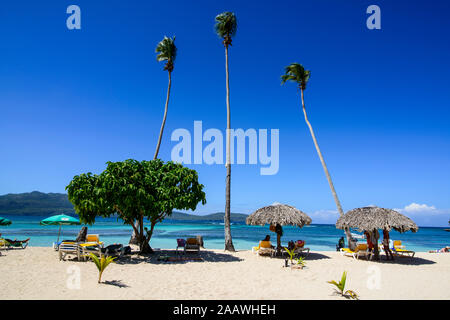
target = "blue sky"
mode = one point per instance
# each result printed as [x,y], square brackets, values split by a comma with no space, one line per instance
[70,100]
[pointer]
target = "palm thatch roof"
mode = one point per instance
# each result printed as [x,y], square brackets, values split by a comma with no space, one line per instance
[369,218]
[281,214]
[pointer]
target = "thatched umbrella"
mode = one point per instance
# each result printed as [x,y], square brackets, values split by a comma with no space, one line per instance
[373,218]
[278,215]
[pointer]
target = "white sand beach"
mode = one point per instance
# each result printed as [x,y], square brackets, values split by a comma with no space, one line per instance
[37,273]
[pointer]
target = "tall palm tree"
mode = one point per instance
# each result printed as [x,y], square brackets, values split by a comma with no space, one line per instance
[167,51]
[295,72]
[225,27]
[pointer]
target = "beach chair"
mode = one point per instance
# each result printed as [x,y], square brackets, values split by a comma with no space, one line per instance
[192,244]
[93,238]
[4,244]
[361,249]
[69,248]
[266,248]
[113,250]
[21,244]
[399,250]
[299,248]
[90,247]
[181,244]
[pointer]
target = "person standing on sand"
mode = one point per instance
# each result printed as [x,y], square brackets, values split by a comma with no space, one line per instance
[386,245]
[369,241]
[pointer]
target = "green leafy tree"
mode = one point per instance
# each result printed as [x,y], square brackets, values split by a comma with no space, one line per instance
[167,51]
[138,192]
[225,27]
[296,73]
[101,264]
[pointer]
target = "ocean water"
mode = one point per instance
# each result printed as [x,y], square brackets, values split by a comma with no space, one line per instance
[318,237]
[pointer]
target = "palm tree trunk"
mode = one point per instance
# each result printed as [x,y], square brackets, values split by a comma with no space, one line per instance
[333,191]
[228,241]
[164,118]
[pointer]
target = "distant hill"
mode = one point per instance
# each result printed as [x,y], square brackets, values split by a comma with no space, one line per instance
[41,204]
[36,204]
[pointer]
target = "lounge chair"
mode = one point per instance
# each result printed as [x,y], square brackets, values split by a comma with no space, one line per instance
[361,249]
[265,248]
[90,247]
[299,248]
[22,244]
[93,238]
[181,244]
[69,248]
[192,244]
[400,250]
[4,244]
[113,250]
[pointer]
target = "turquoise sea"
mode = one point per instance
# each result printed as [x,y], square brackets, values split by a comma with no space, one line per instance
[321,237]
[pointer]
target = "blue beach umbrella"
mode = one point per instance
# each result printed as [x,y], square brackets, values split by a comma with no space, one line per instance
[4,222]
[61,220]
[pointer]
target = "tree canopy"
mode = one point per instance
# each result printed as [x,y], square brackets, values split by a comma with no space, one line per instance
[226,26]
[167,51]
[136,190]
[296,72]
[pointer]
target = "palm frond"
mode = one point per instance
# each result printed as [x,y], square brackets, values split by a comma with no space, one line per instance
[167,51]
[295,72]
[226,24]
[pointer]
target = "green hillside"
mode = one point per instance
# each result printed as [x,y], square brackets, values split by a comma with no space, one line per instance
[41,204]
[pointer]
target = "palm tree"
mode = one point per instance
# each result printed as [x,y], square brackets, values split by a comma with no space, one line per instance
[225,27]
[295,72]
[167,51]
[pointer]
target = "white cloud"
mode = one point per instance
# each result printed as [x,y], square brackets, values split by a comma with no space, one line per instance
[415,207]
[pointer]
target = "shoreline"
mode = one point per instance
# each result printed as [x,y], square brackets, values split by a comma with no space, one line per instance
[221,275]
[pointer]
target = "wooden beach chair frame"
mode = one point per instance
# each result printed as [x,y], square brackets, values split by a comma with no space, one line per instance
[69,248]
[192,244]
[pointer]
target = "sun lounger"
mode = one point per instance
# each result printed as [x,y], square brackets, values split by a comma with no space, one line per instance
[69,248]
[265,248]
[22,244]
[192,244]
[113,250]
[181,243]
[299,248]
[360,250]
[3,244]
[400,250]
[93,238]
[90,247]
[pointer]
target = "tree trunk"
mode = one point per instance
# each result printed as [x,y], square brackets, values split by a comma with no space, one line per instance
[228,241]
[333,191]
[164,118]
[134,237]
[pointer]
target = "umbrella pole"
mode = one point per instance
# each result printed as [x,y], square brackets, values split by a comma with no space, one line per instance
[59,232]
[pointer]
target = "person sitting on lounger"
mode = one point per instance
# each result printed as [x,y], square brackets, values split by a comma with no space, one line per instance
[18,243]
[267,238]
[341,244]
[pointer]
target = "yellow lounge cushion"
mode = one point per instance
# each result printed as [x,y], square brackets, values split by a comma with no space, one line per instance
[265,244]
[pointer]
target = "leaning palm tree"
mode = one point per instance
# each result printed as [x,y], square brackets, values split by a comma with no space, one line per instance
[167,51]
[225,27]
[295,72]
